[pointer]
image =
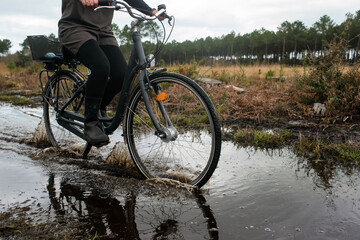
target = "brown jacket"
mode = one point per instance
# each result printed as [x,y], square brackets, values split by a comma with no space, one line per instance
[79,24]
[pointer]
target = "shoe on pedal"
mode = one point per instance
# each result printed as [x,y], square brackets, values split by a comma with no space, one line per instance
[94,135]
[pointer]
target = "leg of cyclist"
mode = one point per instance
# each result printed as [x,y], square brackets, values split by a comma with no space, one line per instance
[118,67]
[94,58]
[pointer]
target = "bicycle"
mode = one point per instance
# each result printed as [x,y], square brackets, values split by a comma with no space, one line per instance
[170,125]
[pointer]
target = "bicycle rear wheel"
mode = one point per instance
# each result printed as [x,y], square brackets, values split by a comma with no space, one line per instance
[58,91]
[193,156]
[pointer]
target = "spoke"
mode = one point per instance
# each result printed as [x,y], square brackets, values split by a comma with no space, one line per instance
[168,157]
[189,154]
[192,148]
[147,125]
[163,152]
[152,148]
[57,94]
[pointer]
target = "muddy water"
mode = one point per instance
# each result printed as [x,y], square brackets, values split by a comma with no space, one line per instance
[252,195]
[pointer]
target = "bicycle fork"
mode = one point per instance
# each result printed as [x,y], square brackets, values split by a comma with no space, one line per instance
[168,133]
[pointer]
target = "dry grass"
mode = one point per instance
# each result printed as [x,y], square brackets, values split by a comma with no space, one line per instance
[19,78]
[4,69]
[227,73]
[26,81]
[120,156]
[40,137]
[262,100]
[251,71]
[266,96]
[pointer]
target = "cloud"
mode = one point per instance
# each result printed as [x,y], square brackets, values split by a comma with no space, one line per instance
[17,27]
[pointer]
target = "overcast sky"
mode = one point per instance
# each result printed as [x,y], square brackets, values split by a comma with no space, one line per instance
[194,18]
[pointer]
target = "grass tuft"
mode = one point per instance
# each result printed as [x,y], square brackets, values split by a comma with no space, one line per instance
[262,139]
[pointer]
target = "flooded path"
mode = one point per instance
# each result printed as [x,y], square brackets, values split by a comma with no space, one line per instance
[252,195]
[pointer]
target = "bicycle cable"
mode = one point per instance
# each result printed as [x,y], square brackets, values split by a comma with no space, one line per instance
[166,37]
[159,44]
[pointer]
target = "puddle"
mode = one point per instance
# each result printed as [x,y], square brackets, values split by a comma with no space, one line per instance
[19,179]
[276,195]
[252,194]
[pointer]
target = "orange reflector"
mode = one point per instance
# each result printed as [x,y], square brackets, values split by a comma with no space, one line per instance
[161,96]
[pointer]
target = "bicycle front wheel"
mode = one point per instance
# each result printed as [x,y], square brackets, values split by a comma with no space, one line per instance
[58,91]
[192,157]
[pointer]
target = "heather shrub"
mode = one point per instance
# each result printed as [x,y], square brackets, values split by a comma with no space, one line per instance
[330,81]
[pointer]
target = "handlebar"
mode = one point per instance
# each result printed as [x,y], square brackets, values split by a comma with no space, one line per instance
[163,6]
[118,5]
[105,2]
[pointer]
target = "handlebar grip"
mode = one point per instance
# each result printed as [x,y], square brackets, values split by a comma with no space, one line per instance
[105,2]
[163,6]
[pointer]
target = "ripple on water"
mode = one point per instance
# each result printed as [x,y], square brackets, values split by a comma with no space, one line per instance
[252,195]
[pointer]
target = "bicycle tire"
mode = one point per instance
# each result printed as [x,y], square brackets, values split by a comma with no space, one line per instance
[58,90]
[192,114]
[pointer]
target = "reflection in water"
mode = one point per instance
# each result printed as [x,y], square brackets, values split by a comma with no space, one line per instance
[324,172]
[138,217]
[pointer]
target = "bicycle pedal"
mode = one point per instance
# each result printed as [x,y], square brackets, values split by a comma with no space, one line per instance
[98,145]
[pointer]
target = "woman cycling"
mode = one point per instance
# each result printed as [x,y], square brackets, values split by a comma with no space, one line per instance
[86,34]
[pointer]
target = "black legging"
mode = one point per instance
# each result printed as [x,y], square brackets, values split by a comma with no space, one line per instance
[104,61]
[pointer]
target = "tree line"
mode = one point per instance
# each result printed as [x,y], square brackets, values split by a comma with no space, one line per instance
[289,44]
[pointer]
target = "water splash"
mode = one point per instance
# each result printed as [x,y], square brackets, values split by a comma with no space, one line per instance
[66,152]
[40,137]
[171,183]
[119,155]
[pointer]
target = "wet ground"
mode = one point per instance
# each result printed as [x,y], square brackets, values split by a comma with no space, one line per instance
[252,195]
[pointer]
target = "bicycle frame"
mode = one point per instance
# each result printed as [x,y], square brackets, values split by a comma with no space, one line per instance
[137,54]
[136,63]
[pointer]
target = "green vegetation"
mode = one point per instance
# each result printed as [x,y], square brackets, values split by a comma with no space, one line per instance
[16,100]
[262,139]
[5,45]
[316,148]
[329,82]
[269,74]
[313,146]
[347,152]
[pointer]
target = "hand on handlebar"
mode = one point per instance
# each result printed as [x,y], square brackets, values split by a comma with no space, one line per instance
[90,3]
[160,13]
[160,17]
[105,2]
